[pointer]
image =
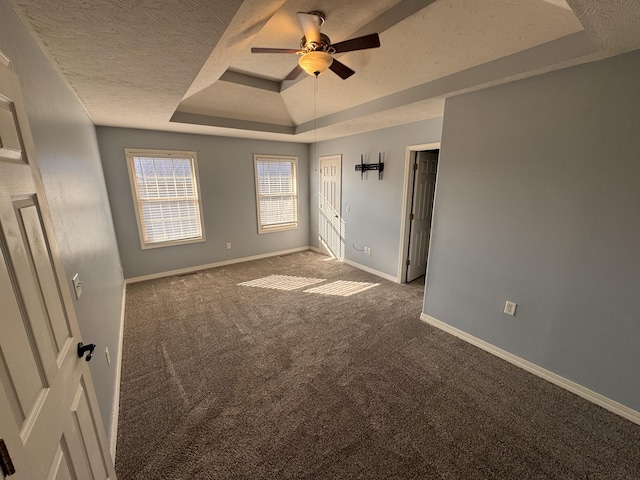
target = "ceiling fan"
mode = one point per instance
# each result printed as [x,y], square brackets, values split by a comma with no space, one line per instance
[316,50]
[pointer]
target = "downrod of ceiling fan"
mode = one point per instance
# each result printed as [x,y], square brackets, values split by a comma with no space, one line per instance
[318,14]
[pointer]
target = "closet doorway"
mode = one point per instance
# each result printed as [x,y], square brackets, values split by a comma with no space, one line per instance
[419,192]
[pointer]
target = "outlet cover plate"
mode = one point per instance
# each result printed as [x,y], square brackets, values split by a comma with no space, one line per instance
[510,308]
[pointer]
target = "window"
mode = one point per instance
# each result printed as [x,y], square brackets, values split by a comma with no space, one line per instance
[276,192]
[166,197]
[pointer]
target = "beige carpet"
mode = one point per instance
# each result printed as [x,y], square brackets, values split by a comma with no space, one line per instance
[316,370]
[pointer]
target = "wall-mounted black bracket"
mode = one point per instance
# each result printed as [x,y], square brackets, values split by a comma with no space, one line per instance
[363,167]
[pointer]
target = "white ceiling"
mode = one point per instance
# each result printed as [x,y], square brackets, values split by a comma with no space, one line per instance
[186,65]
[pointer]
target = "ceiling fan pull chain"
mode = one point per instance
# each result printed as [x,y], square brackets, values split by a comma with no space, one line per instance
[315,121]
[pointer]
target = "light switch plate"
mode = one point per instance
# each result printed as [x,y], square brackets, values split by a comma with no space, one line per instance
[77,285]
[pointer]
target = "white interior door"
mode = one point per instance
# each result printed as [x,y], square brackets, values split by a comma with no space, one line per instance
[331,228]
[48,411]
[424,186]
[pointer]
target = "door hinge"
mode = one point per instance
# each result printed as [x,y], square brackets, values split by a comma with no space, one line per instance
[411,216]
[5,460]
[415,166]
[408,262]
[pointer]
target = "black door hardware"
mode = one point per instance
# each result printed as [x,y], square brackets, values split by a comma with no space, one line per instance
[86,348]
[6,465]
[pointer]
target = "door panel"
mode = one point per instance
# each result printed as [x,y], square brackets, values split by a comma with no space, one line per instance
[331,227]
[11,142]
[48,410]
[80,435]
[422,208]
[34,238]
[61,468]
[23,371]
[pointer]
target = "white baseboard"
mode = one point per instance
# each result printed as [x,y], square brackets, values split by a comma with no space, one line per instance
[197,268]
[554,378]
[116,396]
[371,270]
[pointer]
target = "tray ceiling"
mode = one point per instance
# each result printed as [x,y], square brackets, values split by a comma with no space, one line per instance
[186,65]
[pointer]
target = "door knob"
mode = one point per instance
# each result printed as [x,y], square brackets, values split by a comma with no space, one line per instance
[86,348]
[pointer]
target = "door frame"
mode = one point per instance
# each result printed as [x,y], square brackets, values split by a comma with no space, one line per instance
[406,206]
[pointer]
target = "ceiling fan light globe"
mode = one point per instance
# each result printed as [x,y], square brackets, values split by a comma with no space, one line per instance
[314,63]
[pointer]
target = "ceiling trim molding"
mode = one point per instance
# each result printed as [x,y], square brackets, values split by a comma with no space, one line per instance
[196,119]
[396,14]
[572,46]
[247,80]
[502,70]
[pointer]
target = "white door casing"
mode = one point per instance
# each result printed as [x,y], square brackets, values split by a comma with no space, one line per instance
[422,207]
[331,224]
[48,409]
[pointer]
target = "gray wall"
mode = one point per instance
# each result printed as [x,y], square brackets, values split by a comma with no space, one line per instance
[228,197]
[69,160]
[376,205]
[538,202]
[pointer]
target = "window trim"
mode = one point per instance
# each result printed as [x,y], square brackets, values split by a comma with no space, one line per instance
[130,154]
[280,228]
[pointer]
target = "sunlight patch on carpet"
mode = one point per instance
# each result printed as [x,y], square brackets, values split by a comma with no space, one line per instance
[342,288]
[282,282]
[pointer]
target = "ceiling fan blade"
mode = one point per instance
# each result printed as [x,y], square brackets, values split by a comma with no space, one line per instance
[341,69]
[360,43]
[295,73]
[310,24]
[273,50]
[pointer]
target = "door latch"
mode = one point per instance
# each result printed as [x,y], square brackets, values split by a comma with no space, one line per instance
[5,460]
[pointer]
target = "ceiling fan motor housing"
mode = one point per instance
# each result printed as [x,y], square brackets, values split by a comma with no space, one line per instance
[323,46]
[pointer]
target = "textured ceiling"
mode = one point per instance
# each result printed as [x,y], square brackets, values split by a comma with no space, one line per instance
[186,65]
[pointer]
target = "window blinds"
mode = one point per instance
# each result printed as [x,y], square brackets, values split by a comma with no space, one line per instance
[276,184]
[167,199]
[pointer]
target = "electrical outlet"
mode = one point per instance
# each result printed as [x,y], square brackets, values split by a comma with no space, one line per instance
[510,308]
[367,250]
[228,245]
